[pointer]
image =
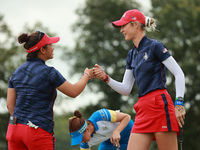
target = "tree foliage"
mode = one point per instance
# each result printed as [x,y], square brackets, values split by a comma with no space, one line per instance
[8,50]
[12,55]
[8,63]
[179,30]
[98,42]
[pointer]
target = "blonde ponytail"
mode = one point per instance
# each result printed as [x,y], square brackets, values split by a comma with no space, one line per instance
[150,24]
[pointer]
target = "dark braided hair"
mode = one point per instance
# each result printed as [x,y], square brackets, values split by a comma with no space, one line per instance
[30,41]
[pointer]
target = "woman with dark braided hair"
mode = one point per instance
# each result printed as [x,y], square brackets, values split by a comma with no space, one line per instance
[32,92]
[109,128]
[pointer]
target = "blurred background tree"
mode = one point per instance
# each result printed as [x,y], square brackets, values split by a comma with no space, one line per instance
[178,25]
[8,62]
[98,42]
[12,55]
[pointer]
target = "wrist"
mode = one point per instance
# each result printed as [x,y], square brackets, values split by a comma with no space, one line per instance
[179,99]
[106,79]
[87,74]
[177,102]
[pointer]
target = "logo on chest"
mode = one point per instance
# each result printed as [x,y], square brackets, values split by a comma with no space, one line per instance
[145,56]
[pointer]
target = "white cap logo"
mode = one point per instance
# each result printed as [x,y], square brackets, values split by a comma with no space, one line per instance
[124,15]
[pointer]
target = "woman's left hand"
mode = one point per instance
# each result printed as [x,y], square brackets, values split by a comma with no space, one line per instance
[114,139]
[180,114]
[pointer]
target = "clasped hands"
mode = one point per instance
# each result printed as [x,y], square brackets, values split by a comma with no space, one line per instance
[95,72]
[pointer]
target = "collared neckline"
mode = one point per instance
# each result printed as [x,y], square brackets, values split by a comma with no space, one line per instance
[36,59]
[142,42]
[94,123]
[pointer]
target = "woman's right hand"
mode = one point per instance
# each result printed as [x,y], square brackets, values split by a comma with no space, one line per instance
[115,138]
[98,72]
[73,90]
[90,72]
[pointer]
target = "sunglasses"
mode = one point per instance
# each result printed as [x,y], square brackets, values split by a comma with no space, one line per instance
[39,36]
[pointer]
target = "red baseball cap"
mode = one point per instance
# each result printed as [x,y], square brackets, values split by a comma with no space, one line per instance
[128,16]
[45,40]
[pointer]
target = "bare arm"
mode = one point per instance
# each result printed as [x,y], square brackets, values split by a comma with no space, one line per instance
[73,90]
[11,100]
[124,120]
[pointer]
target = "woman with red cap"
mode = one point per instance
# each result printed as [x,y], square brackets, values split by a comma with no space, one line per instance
[146,63]
[32,92]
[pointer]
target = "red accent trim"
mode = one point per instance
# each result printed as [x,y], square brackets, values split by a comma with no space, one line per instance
[161,75]
[106,79]
[52,103]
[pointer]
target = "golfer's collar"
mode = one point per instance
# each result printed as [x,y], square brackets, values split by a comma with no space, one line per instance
[36,59]
[94,123]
